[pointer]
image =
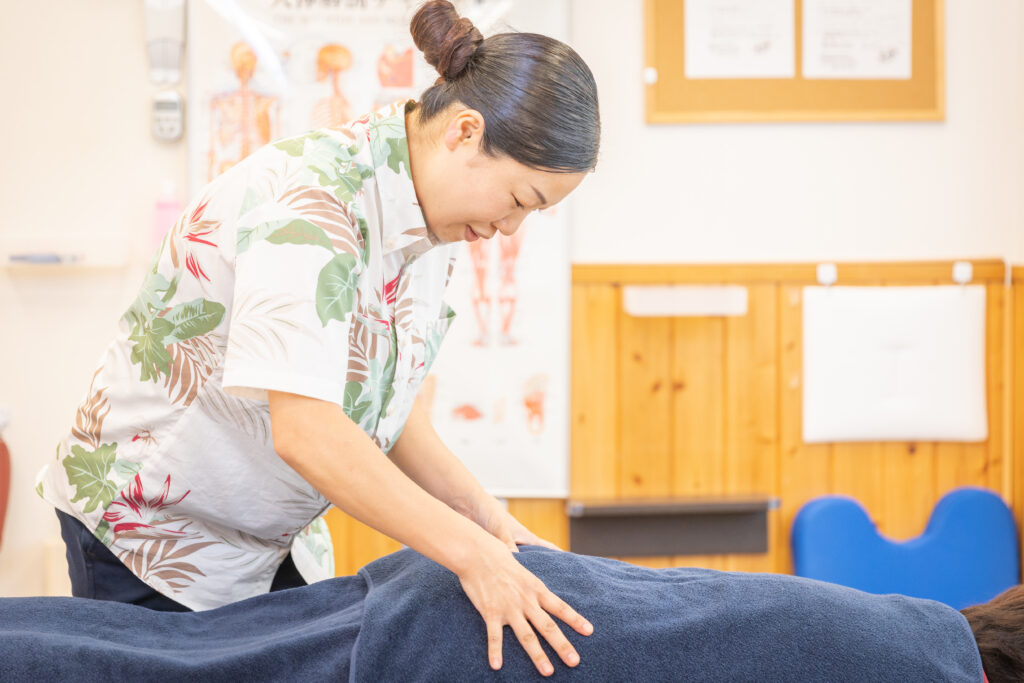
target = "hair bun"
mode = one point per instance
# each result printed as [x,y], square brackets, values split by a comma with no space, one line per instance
[447,40]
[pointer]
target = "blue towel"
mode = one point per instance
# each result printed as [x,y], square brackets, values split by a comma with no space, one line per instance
[405,618]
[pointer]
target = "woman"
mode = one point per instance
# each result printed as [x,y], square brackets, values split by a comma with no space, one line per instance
[270,364]
[405,618]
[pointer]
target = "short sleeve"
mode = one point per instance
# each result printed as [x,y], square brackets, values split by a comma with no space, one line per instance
[294,293]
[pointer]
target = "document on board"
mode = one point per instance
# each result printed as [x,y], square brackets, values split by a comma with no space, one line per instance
[739,38]
[862,39]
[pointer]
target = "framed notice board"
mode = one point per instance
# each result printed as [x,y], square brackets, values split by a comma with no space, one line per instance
[810,77]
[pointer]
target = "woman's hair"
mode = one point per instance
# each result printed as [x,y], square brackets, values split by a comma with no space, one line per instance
[998,627]
[536,95]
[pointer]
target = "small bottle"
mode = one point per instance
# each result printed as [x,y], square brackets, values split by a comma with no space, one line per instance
[167,211]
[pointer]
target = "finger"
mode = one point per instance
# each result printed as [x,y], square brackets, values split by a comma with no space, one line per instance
[558,607]
[494,629]
[528,639]
[549,630]
[509,541]
[548,544]
[530,539]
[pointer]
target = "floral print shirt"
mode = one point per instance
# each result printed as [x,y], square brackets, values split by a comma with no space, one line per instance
[307,268]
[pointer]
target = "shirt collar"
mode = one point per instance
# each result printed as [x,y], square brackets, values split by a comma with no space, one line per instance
[405,228]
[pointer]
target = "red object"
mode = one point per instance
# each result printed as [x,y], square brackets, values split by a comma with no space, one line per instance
[5,484]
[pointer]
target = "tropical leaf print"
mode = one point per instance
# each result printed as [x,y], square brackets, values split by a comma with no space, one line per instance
[152,338]
[156,291]
[451,269]
[260,322]
[335,289]
[250,236]
[296,146]
[404,311]
[364,350]
[192,362]
[354,405]
[193,230]
[360,342]
[162,559]
[301,232]
[193,319]
[88,471]
[333,217]
[246,415]
[89,418]
[305,501]
[345,177]
[389,144]
[133,512]
[149,351]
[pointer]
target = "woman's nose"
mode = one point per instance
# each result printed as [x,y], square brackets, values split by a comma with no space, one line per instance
[509,224]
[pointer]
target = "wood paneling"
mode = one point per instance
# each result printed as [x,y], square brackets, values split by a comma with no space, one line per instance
[595,420]
[711,406]
[734,420]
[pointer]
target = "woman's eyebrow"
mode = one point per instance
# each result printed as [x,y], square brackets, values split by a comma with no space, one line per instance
[539,195]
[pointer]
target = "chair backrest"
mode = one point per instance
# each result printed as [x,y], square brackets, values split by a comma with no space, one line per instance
[967,555]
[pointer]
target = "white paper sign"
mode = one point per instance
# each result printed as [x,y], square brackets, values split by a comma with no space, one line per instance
[894,364]
[864,39]
[739,39]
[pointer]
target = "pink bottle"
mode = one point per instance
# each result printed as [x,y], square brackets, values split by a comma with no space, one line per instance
[166,213]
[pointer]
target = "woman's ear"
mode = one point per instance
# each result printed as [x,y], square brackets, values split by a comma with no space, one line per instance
[465,128]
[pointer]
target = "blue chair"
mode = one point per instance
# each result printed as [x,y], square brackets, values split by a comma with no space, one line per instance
[967,555]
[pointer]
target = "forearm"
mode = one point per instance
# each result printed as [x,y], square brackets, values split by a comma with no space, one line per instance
[338,459]
[421,454]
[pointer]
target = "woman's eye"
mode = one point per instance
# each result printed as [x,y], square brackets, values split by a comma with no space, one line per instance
[518,205]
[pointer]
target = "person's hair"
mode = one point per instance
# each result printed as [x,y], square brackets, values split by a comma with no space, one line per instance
[998,627]
[537,97]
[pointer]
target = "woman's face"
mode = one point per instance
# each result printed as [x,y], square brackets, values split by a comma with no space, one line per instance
[465,194]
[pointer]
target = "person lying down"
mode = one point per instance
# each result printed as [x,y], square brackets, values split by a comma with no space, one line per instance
[405,618]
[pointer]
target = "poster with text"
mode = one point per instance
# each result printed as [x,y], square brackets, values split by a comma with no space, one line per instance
[260,70]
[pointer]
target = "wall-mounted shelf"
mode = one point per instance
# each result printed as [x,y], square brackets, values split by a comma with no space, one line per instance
[670,526]
[14,259]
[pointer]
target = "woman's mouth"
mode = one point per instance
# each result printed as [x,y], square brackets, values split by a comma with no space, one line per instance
[470,235]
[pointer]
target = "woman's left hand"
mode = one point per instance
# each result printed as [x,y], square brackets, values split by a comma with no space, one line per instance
[496,520]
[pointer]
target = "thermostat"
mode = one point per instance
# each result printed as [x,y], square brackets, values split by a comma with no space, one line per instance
[168,115]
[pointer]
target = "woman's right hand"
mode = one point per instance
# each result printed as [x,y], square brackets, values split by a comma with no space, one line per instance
[505,592]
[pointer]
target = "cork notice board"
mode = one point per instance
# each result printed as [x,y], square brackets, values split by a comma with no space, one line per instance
[674,98]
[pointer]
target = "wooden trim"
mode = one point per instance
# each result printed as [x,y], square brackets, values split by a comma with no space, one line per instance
[854,273]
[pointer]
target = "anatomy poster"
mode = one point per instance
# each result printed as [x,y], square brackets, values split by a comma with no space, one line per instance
[260,70]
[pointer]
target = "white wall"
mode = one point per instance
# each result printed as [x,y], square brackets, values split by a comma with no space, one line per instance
[78,161]
[806,192]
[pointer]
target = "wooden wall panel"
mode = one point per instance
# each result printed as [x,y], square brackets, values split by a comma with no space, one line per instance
[805,470]
[594,433]
[543,516]
[645,418]
[751,425]
[711,406]
[757,379]
[698,417]
[356,544]
[996,371]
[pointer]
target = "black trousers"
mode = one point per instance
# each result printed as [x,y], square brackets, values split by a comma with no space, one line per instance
[97,573]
